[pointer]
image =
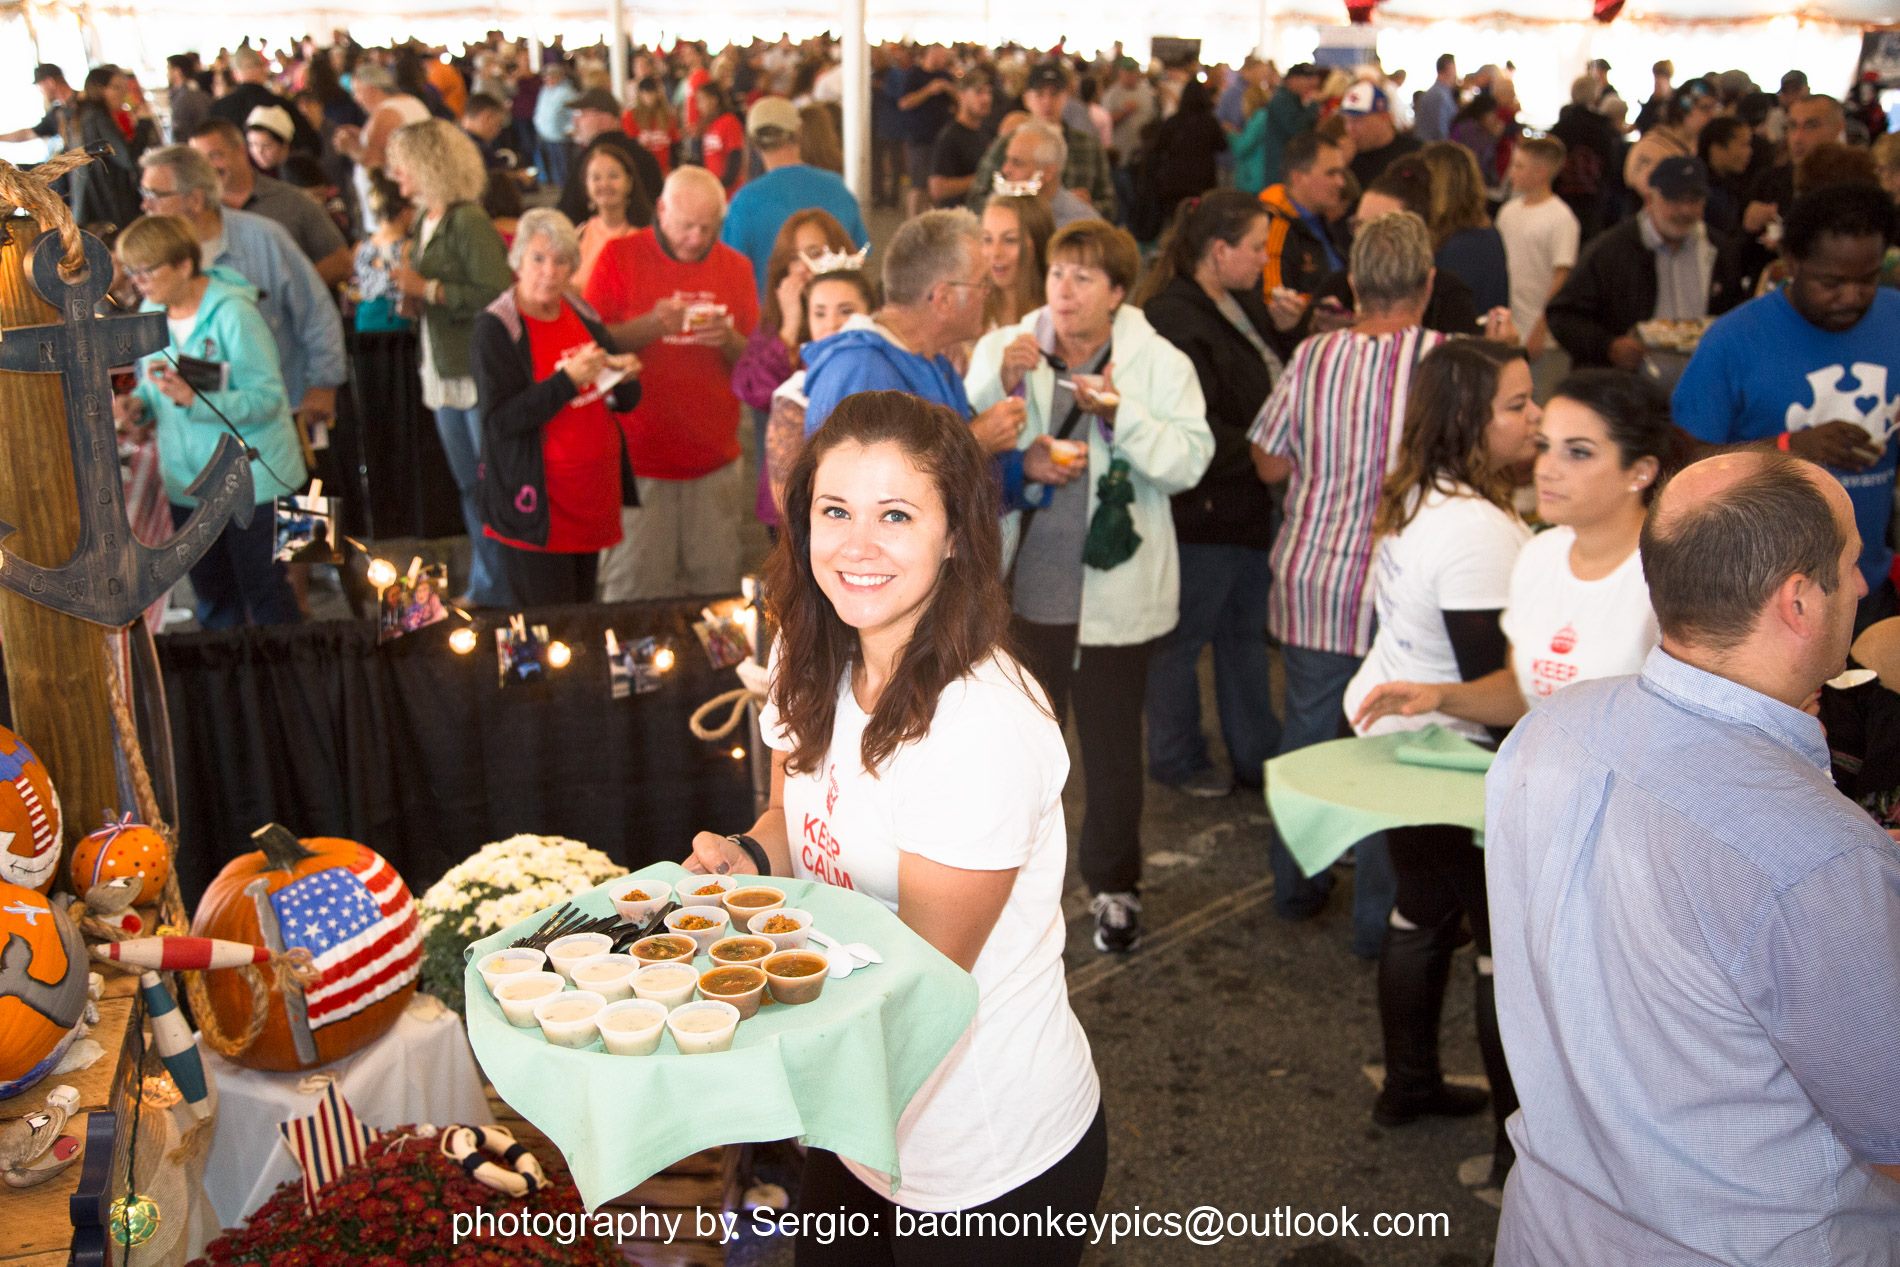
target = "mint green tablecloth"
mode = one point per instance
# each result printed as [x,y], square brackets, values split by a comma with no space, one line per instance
[835,1072]
[1326,798]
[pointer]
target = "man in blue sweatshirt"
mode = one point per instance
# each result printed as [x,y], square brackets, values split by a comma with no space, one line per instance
[935,282]
[1814,369]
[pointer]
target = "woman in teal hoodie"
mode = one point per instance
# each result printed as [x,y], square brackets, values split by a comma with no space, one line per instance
[1249,145]
[214,318]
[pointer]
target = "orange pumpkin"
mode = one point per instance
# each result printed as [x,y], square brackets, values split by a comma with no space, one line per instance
[29,817]
[43,968]
[345,904]
[124,848]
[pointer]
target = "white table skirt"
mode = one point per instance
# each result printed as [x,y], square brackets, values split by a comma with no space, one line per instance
[420,1071]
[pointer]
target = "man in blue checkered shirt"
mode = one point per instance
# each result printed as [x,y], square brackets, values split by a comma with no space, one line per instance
[1696,937]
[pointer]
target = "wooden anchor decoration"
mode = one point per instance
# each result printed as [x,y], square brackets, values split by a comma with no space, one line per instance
[112,576]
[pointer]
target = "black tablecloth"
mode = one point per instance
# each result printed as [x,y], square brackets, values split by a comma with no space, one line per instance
[419,752]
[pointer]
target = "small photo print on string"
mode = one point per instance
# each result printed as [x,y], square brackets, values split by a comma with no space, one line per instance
[722,631]
[413,601]
[521,652]
[634,667]
[306,528]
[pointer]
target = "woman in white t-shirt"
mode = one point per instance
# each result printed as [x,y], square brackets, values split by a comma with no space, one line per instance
[923,767]
[1448,540]
[1579,606]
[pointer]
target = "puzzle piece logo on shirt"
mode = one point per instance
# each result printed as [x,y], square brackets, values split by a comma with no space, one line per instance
[1860,398]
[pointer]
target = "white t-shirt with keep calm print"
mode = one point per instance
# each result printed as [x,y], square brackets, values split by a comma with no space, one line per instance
[981,791]
[1564,630]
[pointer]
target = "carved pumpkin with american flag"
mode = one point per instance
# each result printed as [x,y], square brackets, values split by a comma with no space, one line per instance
[345,904]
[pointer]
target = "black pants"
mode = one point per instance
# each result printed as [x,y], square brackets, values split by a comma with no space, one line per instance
[1108,689]
[541,579]
[1440,874]
[1072,1185]
[237,581]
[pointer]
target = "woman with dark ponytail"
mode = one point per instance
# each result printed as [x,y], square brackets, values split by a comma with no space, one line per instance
[1203,295]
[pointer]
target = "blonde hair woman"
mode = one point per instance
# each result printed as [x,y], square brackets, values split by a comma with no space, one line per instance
[458,267]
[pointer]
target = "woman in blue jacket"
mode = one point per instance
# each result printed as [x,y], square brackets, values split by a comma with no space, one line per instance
[214,317]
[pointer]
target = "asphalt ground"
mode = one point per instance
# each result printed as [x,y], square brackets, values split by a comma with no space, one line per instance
[1238,1055]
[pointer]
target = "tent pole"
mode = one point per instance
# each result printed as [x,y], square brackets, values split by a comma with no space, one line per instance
[617,51]
[857,103]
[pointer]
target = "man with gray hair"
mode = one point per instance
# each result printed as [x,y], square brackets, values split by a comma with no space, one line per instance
[1035,153]
[177,180]
[1085,171]
[251,90]
[686,303]
[935,281]
[374,89]
[1696,936]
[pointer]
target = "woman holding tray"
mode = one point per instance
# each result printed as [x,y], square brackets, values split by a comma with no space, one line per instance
[892,695]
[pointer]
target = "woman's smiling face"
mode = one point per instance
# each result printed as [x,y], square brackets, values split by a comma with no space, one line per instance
[879,536]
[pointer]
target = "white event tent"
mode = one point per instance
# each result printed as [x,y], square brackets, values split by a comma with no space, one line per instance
[1547,42]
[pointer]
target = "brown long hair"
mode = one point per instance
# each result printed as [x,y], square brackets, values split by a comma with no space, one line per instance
[1445,420]
[1225,215]
[785,253]
[966,617]
[1038,225]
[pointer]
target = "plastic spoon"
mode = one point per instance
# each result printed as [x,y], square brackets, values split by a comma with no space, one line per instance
[842,961]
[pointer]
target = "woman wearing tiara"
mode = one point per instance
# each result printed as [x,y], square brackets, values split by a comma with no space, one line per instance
[809,242]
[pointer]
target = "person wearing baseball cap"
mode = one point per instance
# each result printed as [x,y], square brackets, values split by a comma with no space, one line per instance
[1292,109]
[960,146]
[763,205]
[1376,139]
[60,100]
[1085,172]
[1661,264]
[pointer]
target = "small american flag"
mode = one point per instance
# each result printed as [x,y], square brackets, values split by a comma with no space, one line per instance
[326,1143]
[359,924]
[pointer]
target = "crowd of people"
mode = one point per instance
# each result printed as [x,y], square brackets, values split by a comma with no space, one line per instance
[1164,360]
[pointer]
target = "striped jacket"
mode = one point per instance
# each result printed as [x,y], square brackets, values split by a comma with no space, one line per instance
[1336,415]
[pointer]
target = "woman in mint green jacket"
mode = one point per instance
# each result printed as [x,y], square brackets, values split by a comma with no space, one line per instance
[214,318]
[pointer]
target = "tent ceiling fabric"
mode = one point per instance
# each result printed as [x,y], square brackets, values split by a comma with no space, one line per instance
[1080,15]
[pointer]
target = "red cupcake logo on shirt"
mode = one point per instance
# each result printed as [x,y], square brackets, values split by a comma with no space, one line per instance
[1563,641]
[831,790]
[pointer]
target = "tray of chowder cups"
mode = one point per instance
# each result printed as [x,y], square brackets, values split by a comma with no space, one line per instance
[731,949]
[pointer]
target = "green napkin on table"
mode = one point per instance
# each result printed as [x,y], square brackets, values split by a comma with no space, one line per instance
[1326,798]
[1444,749]
[836,1072]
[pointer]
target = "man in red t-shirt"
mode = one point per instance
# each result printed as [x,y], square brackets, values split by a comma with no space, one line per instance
[686,303]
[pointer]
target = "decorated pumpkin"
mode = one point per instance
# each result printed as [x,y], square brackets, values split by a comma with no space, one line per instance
[43,969]
[29,817]
[345,904]
[123,848]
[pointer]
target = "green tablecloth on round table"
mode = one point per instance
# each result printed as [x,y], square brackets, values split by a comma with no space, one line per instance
[1326,798]
[836,1072]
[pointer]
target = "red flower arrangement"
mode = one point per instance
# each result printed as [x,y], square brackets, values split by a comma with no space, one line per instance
[395,1209]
